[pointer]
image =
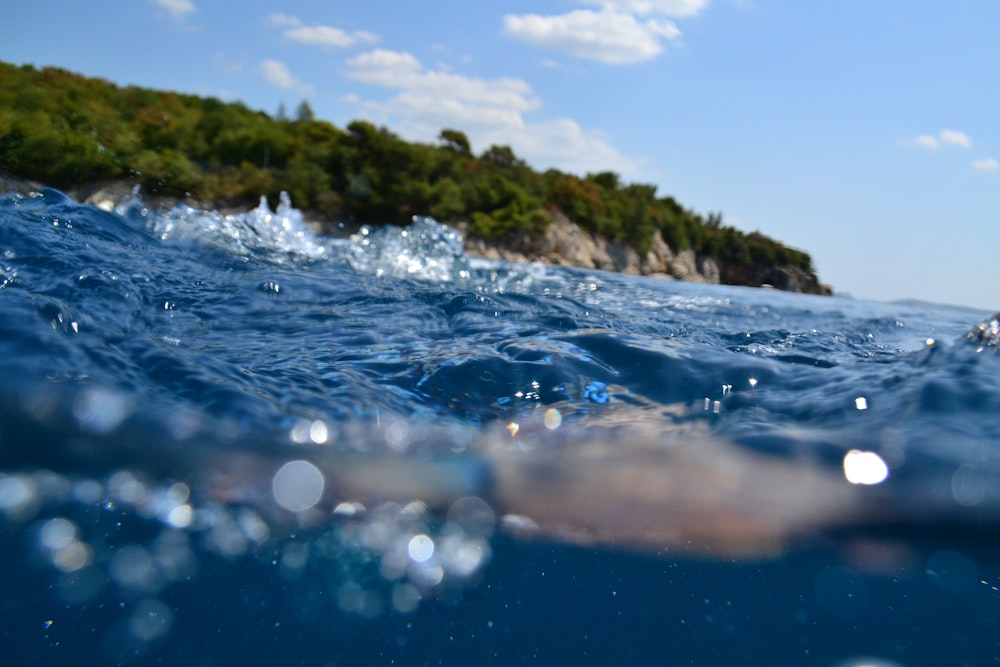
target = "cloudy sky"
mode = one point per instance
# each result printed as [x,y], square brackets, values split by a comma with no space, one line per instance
[866,133]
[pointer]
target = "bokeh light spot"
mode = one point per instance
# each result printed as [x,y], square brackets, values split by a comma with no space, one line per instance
[298,486]
[420,548]
[866,468]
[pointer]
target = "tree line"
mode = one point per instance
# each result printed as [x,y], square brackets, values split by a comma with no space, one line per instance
[66,130]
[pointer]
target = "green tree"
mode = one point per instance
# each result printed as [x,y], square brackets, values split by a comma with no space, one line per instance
[304,112]
[447,200]
[457,141]
[608,180]
[502,156]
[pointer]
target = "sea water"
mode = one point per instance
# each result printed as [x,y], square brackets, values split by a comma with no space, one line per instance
[227,438]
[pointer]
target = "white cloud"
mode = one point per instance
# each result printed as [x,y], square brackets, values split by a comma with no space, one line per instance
[283,20]
[955,138]
[677,8]
[323,35]
[278,75]
[393,69]
[943,138]
[384,65]
[606,36]
[489,111]
[666,29]
[614,34]
[319,35]
[563,144]
[986,164]
[421,117]
[178,9]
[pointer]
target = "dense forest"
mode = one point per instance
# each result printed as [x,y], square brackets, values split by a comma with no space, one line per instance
[65,130]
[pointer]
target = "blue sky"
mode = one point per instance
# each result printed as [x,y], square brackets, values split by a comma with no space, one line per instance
[866,133]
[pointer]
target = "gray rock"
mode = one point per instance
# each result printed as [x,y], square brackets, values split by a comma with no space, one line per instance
[684,267]
[709,270]
[623,258]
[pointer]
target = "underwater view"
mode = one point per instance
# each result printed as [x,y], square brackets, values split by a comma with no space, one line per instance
[225,438]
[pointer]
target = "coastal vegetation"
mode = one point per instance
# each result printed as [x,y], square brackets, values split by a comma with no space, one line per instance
[66,130]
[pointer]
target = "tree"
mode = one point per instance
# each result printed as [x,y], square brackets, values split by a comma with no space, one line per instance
[456,141]
[282,114]
[304,112]
[608,180]
[501,156]
[447,202]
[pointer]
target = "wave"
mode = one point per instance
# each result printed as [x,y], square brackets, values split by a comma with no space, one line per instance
[385,419]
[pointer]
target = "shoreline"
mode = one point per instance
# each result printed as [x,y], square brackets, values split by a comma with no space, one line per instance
[564,243]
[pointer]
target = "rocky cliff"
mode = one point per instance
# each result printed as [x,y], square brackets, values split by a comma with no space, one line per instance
[564,243]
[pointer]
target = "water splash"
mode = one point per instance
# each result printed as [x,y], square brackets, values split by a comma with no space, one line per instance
[425,250]
[259,232]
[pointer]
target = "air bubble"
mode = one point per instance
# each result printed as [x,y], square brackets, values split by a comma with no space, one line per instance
[461,557]
[18,497]
[420,548]
[57,533]
[101,410]
[180,516]
[150,620]
[72,557]
[298,486]
[969,485]
[405,598]
[427,575]
[126,487]
[133,567]
[294,557]
[473,515]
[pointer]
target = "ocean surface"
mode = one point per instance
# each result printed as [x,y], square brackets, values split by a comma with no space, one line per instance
[225,439]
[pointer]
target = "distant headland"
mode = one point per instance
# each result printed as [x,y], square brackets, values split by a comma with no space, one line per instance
[95,141]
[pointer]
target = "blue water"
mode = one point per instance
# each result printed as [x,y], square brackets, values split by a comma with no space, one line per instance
[226,438]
